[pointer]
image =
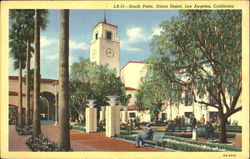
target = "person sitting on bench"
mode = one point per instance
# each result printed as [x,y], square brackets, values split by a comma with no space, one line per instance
[142,136]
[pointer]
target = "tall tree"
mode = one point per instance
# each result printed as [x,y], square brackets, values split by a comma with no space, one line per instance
[36,114]
[17,51]
[152,94]
[201,52]
[63,123]
[29,37]
[89,80]
[41,21]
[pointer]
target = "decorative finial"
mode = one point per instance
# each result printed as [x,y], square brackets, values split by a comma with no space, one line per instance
[105,21]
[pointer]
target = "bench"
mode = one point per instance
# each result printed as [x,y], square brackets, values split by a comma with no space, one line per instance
[155,139]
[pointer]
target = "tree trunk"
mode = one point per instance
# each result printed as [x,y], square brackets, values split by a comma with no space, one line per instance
[20,94]
[28,85]
[64,134]
[36,113]
[222,128]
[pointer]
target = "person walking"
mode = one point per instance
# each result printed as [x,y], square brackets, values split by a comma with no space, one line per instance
[142,136]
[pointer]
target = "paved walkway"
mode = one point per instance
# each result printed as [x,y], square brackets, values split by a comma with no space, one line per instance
[88,142]
[81,141]
[16,142]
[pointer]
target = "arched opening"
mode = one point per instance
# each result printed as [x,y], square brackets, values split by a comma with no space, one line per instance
[48,106]
[44,108]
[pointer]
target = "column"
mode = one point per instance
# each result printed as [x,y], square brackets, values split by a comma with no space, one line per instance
[102,113]
[112,117]
[91,120]
[112,121]
[124,115]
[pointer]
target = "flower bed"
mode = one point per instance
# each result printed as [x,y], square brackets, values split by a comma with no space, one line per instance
[201,134]
[233,128]
[41,143]
[25,130]
[78,127]
[192,146]
[12,115]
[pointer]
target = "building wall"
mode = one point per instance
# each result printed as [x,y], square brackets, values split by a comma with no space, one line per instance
[132,100]
[132,73]
[144,116]
[199,110]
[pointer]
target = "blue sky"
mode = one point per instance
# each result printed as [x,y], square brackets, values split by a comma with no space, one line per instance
[135,30]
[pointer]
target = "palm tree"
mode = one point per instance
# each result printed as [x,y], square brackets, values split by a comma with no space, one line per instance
[29,37]
[17,51]
[64,134]
[41,19]
[36,114]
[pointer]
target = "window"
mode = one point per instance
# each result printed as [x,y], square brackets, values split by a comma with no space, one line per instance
[188,98]
[188,114]
[109,35]
[129,95]
[163,116]
[96,36]
[132,115]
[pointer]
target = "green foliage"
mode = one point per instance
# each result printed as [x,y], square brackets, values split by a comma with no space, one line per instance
[44,105]
[193,146]
[153,91]
[31,79]
[201,50]
[89,80]
[22,29]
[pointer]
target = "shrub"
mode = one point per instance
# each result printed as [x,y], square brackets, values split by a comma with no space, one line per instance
[79,127]
[12,115]
[192,146]
[41,143]
[25,130]
[234,128]
[101,126]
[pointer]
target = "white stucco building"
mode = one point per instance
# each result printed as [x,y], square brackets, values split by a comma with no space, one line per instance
[105,49]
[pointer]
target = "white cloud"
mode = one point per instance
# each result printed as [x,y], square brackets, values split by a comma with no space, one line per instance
[52,57]
[156,31]
[44,41]
[77,46]
[136,35]
[12,71]
[132,49]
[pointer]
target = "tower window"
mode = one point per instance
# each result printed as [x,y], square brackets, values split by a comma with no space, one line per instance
[109,35]
[96,36]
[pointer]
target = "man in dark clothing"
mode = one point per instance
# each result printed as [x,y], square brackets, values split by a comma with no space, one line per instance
[209,130]
[147,134]
[193,122]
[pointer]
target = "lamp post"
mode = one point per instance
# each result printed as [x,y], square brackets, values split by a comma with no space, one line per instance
[56,103]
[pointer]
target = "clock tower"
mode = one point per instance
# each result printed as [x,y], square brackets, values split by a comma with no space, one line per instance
[105,46]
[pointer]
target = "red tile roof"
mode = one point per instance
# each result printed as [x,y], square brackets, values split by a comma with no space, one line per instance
[132,107]
[11,93]
[13,105]
[42,79]
[130,88]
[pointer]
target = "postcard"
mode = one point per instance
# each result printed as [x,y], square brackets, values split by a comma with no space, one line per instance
[124,79]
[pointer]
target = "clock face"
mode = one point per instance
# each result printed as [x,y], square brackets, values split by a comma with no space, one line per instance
[109,52]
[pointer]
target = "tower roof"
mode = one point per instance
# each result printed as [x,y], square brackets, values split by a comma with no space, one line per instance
[104,23]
